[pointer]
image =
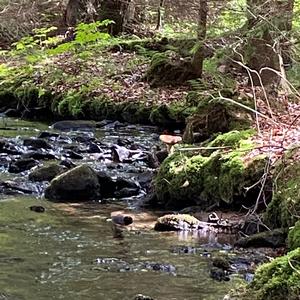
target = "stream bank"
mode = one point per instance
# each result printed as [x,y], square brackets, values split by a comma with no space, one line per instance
[72,247]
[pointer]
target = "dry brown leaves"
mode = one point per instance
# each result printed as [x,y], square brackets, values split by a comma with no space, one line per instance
[279,130]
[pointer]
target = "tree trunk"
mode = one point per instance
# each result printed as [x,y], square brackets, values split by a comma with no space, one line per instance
[117,11]
[267,48]
[197,61]
[160,15]
[80,11]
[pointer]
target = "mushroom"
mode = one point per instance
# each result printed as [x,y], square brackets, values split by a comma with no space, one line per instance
[170,140]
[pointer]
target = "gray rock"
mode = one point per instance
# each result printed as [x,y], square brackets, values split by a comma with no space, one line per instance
[75,125]
[22,165]
[36,143]
[77,185]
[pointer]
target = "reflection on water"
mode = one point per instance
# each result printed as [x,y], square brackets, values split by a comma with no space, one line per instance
[60,255]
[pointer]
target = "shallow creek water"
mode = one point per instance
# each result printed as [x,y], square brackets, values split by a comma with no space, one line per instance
[69,251]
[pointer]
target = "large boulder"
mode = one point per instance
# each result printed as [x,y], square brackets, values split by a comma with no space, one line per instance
[77,185]
[213,178]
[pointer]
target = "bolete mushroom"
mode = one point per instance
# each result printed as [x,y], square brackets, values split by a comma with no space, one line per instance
[170,140]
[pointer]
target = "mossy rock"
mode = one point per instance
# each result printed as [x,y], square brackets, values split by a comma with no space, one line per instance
[169,68]
[284,209]
[217,179]
[294,237]
[278,279]
[215,117]
[46,173]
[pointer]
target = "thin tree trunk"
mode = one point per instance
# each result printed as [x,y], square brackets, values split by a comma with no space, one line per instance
[160,15]
[197,61]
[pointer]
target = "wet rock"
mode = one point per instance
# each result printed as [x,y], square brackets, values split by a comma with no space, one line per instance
[107,185]
[14,188]
[12,113]
[46,173]
[175,222]
[160,267]
[218,274]
[3,144]
[143,297]
[103,123]
[275,238]
[94,148]
[126,192]
[120,153]
[47,134]
[9,148]
[36,143]
[145,178]
[75,125]
[22,165]
[37,208]
[74,155]
[186,250]
[221,263]
[122,183]
[67,163]
[78,184]
[39,155]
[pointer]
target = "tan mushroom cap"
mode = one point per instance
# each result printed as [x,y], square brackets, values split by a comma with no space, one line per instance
[170,139]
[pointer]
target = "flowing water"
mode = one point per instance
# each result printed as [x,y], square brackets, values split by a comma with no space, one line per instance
[70,252]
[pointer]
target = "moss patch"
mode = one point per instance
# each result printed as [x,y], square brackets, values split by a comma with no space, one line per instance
[278,279]
[294,237]
[217,179]
[284,209]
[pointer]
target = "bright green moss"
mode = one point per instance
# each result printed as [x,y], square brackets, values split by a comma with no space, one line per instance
[278,279]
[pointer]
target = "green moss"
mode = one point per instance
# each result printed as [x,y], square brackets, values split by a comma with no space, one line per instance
[235,139]
[278,279]
[219,178]
[294,237]
[284,209]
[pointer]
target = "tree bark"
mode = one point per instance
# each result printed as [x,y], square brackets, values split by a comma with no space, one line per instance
[80,11]
[117,11]
[198,58]
[268,47]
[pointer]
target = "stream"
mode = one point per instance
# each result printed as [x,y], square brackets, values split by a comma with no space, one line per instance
[70,250]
